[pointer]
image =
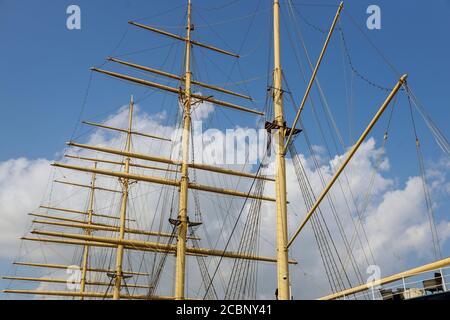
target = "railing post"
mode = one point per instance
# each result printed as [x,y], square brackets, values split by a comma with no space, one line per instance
[444,286]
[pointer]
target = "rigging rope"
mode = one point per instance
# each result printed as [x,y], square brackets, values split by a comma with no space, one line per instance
[331,268]
[428,201]
[242,280]
[369,191]
[440,138]
[206,277]
[352,66]
[332,125]
[380,53]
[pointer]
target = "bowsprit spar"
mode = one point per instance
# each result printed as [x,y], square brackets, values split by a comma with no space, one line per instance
[134,215]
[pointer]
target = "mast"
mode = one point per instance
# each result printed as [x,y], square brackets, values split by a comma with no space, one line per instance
[184,183]
[88,231]
[123,209]
[120,243]
[280,175]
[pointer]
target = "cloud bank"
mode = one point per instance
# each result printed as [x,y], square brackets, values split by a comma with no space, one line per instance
[395,220]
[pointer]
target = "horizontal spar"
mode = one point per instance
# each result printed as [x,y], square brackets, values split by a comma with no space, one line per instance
[147,157]
[54,280]
[176,91]
[108,228]
[179,78]
[82,212]
[70,242]
[96,244]
[120,174]
[138,244]
[163,181]
[175,36]
[65,267]
[63,219]
[120,163]
[229,192]
[86,294]
[73,184]
[103,126]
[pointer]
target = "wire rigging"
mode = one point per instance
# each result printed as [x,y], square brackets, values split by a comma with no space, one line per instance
[428,201]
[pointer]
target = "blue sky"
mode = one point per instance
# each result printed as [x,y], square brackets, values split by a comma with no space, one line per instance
[44,67]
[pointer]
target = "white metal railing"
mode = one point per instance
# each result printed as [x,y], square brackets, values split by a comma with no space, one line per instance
[417,285]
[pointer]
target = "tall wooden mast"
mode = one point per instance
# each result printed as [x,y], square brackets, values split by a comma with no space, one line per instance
[280,175]
[183,165]
[123,209]
[84,266]
[184,182]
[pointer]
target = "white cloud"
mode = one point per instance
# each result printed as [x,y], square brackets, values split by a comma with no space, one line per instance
[201,110]
[395,222]
[22,186]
